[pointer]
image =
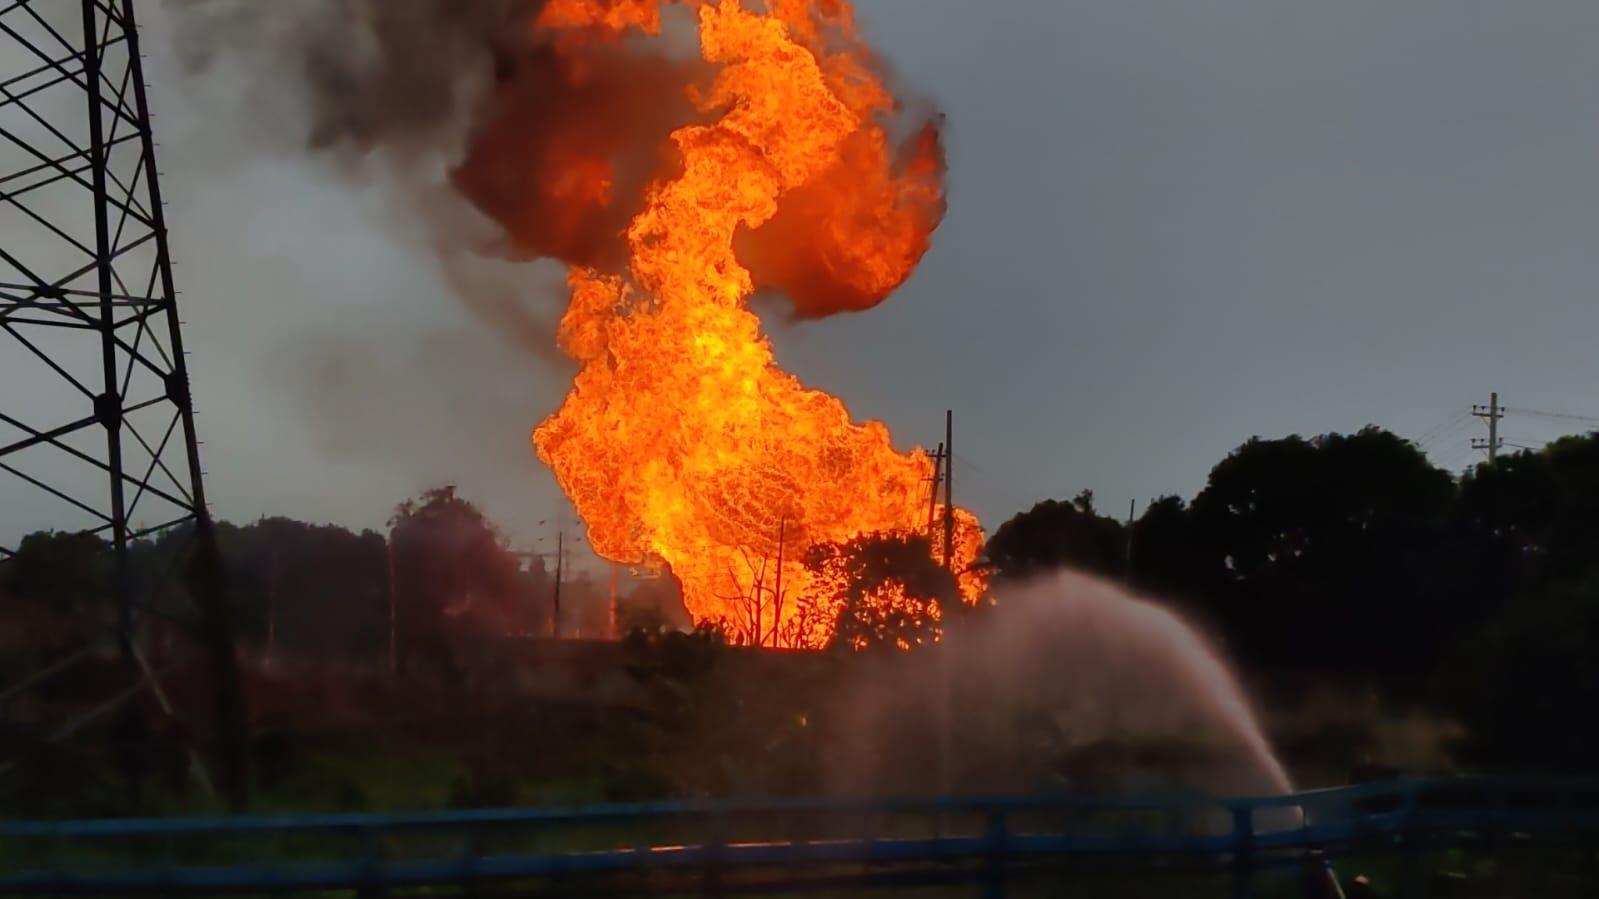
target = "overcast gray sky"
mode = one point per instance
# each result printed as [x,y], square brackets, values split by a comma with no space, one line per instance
[1171,226]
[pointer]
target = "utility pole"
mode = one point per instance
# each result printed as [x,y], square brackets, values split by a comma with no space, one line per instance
[611,625]
[777,589]
[1492,412]
[394,618]
[949,490]
[272,610]
[932,495]
[555,612]
[946,743]
[1127,560]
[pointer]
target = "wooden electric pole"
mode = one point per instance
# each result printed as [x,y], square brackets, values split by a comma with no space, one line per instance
[946,743]
[1127,560]
[1492,412]
[272,610]
[611,620]
[555,611]
[394,643]
[949,490]
[777,589]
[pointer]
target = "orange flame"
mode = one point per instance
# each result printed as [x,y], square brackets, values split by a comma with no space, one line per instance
[611,17]
[681,439]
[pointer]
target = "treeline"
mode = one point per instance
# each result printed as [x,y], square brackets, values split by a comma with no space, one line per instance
[1352,557]
[1338,558]
[441,582]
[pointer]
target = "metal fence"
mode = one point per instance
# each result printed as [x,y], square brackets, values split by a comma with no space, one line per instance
[793,845]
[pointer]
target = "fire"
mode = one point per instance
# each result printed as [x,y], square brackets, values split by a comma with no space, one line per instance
[614,16]
[682,440]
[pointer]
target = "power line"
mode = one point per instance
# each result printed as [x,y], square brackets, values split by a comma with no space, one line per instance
[1445,437]
[1541,432]
[1458,419]
[1493,413]
[1002,487]
[1567,416]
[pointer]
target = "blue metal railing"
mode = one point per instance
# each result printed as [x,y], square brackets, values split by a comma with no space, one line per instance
[957,838]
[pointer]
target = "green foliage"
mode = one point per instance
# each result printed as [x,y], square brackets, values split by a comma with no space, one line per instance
[714,726]
[1522,680]
[1352,557]
[1289,548]
[1539,511]
[1524,686]
[310,590]
[1348,557]
[1057,534]
[63,570]
[52,601]
[882,591]
[454,577]
[1170,557]
[1306,540]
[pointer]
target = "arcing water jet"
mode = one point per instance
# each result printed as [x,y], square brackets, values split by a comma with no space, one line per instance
[1066,683]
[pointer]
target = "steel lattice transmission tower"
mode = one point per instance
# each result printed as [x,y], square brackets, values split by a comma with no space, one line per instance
[95,415]
[96,424]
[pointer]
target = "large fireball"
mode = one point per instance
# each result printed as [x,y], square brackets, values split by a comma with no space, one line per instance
[681,440]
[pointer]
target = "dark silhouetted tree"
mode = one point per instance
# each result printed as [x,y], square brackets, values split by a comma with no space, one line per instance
[315,590]
[1169,554]
[1058,534]
[454,579]
[63,570]
[1531,525]
[54,599]
[1326,551]
[880,590]
[1524,684]
[1538,511]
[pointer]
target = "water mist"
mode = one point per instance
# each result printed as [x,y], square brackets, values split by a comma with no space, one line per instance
[1067,683]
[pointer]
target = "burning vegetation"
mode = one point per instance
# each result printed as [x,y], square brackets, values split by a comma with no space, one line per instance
[675,190]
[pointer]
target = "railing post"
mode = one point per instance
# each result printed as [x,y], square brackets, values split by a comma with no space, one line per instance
[169,856]
[715,853]
[473,854]
[372,848]
[1412,878]
[1243,849]
[997,838]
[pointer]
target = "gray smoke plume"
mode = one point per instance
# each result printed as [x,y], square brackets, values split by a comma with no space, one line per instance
[379,75]
[362,159]
[308,147]
[388,92]
[460,111]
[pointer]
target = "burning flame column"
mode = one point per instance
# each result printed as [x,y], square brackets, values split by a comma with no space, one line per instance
[681,438]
